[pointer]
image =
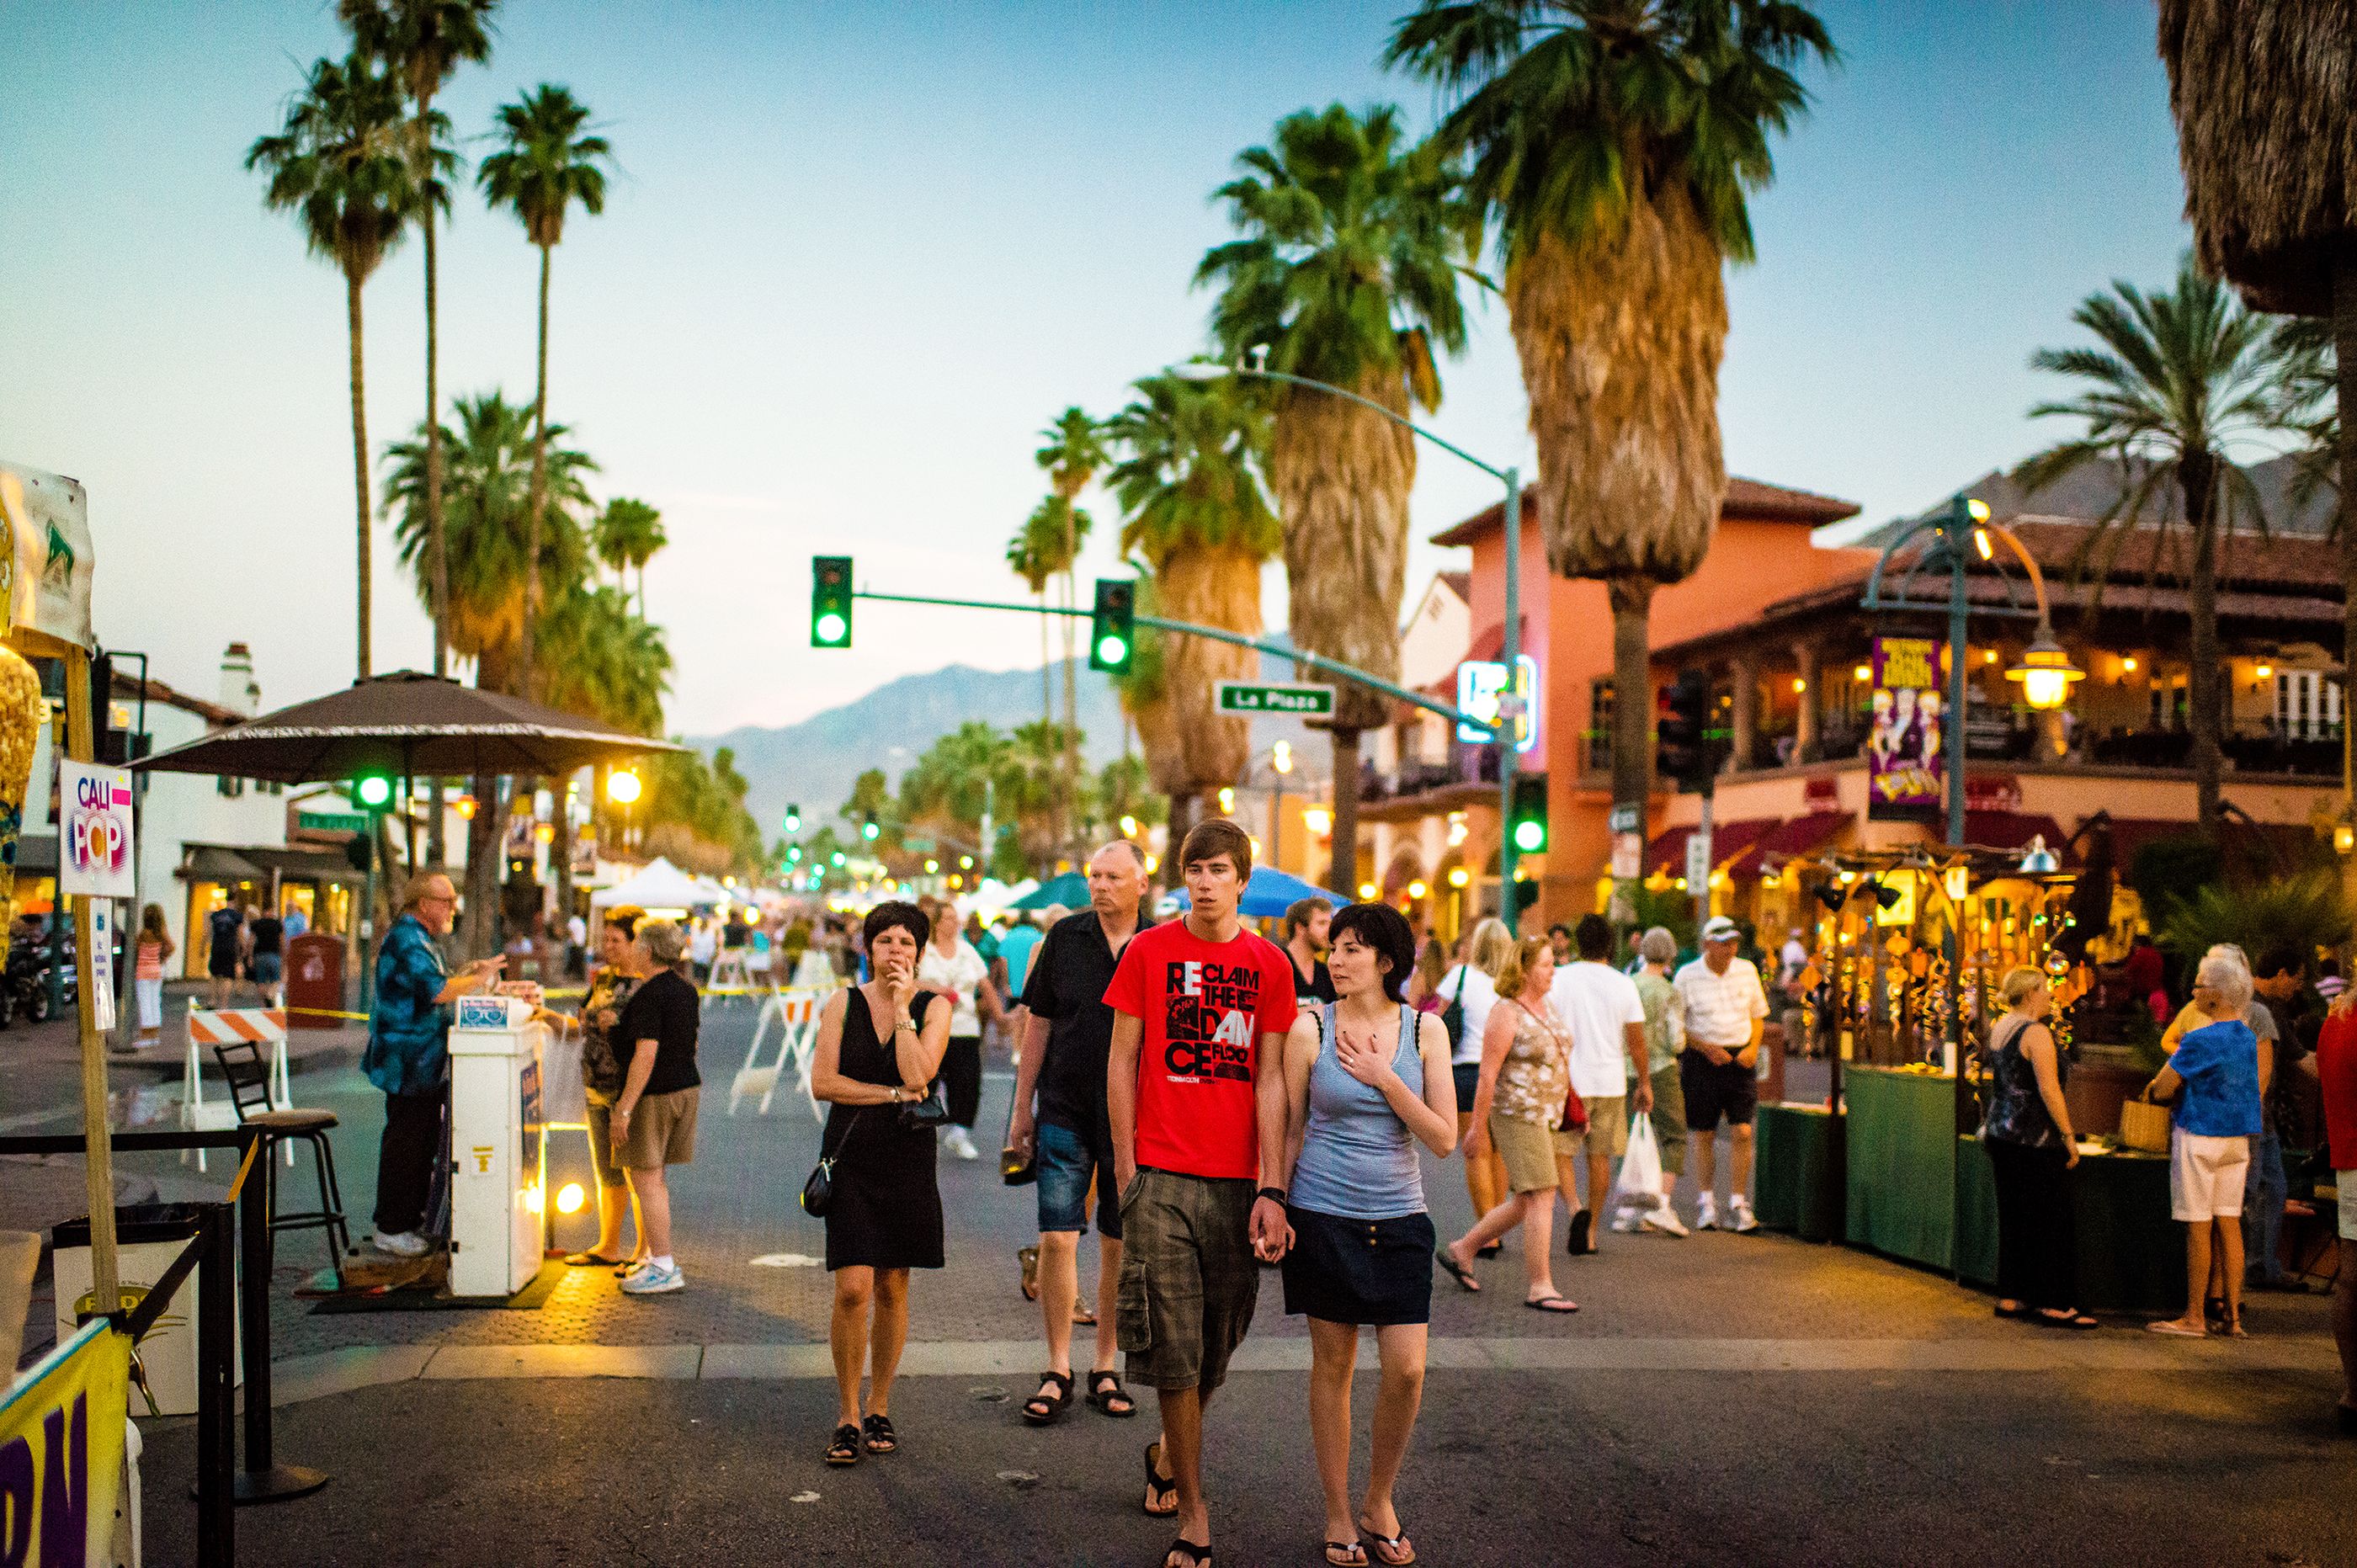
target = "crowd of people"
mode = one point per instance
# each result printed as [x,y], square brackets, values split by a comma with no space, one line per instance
[1216,1103]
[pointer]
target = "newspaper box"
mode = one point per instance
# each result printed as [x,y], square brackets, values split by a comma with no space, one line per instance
[495,1136]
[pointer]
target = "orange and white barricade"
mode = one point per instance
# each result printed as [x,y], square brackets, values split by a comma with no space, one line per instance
[210,1026]
[795,1015]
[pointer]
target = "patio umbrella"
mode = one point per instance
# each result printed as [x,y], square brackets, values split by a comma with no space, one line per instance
[1271,893]
[405,722]
[1071,890]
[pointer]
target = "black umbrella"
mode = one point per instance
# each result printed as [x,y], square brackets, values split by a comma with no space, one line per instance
[404,723]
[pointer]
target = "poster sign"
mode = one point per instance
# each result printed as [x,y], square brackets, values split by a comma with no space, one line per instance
[1481,683]
[94,845]
[1698,860]
[101,975]
[1907,763]
[46,558]
[1627,856]
[61,1451]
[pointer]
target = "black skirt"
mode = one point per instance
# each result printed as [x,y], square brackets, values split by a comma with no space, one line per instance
[1375,1272]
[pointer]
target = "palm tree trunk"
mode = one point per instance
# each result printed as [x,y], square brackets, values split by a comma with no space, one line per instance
[2200,482]
[359,464]
[437,559]
[1342,875]
[539,496]
[2344,362]
[483,857]
[1632,690]
[560,851]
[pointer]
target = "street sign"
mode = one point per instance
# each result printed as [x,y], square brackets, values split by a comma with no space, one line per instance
[331,821]
[1300,698]
[1627,856]
[1481,693]
[1626,820]
[918,842]
[1698,860]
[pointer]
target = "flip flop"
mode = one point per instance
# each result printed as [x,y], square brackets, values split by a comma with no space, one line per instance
[1346,1554]
[1554,1304]
[2079,1320]
[590,1261]
[1456,1271]
[1391,1550]
[2176,1330]
[1161,1496]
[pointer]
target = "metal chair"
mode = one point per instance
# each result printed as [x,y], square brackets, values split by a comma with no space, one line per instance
[248,1077]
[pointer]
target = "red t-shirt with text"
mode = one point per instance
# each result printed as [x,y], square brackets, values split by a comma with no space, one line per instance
[1205,1006]
[2336,1070]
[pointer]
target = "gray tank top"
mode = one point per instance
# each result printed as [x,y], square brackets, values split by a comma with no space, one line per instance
[1358,1158]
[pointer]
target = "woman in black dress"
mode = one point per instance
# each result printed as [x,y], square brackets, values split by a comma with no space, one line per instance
[879,1046]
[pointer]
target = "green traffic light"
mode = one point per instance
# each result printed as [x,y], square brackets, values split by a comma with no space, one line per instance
[869,831]
[831,628]
[375,791]
[1530,837]
[838,857]
[1113,650]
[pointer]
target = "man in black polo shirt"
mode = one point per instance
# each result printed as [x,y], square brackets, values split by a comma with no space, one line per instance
[1069,1136]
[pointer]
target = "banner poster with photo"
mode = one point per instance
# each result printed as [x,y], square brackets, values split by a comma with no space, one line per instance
[1906,747]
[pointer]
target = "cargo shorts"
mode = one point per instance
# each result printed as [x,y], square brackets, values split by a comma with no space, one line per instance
[1188,1280]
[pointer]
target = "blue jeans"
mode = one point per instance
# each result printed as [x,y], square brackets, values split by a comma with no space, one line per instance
[1066,1160]
[2264,1190]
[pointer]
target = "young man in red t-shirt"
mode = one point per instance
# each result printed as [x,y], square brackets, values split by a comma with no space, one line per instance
[1195,1086]
[2336,1071]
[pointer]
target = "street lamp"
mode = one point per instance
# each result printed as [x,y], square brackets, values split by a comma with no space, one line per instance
[1508,654]
[623,788]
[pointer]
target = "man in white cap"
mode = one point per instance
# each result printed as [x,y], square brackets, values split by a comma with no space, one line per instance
[1724,1012]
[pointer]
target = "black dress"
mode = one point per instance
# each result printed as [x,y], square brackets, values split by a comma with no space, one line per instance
[887,1211]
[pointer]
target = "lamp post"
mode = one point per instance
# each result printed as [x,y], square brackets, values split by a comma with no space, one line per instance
[1510,700]
[623,790]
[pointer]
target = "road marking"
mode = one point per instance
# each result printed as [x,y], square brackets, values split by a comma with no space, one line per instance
[343,1372]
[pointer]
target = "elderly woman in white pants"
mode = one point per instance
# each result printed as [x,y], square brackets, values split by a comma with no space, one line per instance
[2218,1078]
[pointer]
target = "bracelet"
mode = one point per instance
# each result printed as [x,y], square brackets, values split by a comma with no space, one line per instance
[1273,1194]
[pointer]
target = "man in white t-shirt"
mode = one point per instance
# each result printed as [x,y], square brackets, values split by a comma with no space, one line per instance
[1724,1010]
[1606,1019]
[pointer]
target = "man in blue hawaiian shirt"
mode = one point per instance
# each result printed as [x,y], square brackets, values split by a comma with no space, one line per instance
[408,1055]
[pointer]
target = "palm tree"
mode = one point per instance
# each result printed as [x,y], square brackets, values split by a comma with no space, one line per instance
[627,535]
[1347,274]
[340,162]
[1614,142]
[604,660]
[546,166]
[423,42]
[1031,554]
[1072,450]
[2251,83]
[2178,378]
[1189,483]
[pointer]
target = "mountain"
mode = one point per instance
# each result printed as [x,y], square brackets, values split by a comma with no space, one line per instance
[813,764]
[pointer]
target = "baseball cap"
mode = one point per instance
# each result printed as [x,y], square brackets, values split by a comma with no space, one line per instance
[1720,929]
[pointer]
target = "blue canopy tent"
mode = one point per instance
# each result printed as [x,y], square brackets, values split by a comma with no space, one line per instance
[1071,890]
[1271,893]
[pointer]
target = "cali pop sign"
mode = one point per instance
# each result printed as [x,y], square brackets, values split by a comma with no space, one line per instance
[96,843]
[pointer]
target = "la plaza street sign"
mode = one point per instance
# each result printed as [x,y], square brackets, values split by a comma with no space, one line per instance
[1303,698]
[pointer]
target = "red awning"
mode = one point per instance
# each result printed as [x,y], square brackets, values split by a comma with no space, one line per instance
[1727,839]
[1789,841]
[2011,829]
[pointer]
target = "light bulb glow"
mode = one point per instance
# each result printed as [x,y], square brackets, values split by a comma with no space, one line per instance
[1417,890]
[2045,688]
[1112,649]
[1459,877]
[623,787]
[568,1198]
[375,789]
[831,628]
[1529,835]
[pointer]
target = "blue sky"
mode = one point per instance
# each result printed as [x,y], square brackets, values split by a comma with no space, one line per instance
[858,254]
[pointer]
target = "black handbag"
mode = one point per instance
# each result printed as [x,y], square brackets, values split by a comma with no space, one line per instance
[932,1110]
[818,1192]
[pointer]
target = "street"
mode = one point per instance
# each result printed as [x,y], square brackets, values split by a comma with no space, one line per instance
[1720,1399]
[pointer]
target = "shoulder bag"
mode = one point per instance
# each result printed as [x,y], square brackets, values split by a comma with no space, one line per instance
[818,1192]
[1452,1017]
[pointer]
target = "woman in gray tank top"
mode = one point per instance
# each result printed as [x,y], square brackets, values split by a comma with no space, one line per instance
[1366,1080]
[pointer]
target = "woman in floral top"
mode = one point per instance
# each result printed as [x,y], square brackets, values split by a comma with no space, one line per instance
[1526,1079]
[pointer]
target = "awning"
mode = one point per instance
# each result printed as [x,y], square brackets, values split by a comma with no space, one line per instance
[1789,841]
[37,855]
[1727,839]
[307,864]
[217,863]
[2011,829]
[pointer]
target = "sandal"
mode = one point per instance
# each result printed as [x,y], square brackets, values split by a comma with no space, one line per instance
[1028,1257]
[2065,1318]
[2018,1309]
[1346,1554]
[1161,1496]
[1391,1550]
[1551,1303]
[1104,1389]
[881,1438]
[843,1448]
[1046,1410]
[1083,1313]
[2176,1330]
[1196,1556]
[590,1261]
[1456,1271]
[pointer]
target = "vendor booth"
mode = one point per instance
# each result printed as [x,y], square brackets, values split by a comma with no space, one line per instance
[1909,948]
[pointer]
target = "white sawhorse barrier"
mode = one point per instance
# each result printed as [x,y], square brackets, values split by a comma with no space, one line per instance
[209,1027]
[794,1013]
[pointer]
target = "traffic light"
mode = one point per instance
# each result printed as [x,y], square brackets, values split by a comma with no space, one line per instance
[1529,823]
[830,601]
[360,851]
[793,819]
[372,790]
[1112,630]
[1681,722]
[868,829]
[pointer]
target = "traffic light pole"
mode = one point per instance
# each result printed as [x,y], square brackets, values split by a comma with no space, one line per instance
[1510,703]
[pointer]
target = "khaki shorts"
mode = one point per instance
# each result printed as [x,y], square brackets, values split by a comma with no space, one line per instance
[1607,1128]
[1188,1279]
[1529,1151]
[662,1131]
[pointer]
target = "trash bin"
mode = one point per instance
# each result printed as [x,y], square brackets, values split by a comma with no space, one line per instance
[314,981]
[147,1237]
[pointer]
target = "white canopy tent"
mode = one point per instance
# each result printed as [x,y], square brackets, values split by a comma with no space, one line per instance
[660,887]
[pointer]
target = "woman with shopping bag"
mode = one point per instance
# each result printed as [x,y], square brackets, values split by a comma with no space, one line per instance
[1664,1124]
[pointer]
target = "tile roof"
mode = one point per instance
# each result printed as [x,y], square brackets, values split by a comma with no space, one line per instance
[1746,499]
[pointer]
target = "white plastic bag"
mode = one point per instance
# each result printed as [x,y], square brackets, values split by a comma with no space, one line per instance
[1639,1185]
